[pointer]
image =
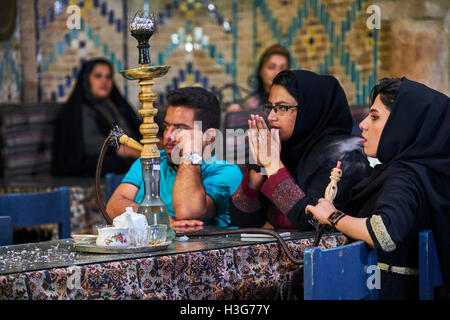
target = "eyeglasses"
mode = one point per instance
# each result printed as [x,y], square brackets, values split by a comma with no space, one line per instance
[279,110]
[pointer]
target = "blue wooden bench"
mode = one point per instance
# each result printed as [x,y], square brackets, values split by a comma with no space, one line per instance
[341,273]
[32,209]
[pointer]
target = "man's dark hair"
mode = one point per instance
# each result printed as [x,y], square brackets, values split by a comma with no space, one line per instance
[388,89]
[205,104]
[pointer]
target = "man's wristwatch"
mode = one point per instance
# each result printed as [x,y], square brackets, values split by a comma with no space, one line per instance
[191,158]
[335,217]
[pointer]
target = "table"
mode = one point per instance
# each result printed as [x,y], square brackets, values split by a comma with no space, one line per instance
[208,267]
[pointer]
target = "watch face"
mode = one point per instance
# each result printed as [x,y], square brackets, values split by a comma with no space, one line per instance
[196,158]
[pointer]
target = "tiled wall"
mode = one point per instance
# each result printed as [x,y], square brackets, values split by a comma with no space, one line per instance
[10,67]
[216,44]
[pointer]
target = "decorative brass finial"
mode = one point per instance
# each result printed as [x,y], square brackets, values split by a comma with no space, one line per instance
[142,26]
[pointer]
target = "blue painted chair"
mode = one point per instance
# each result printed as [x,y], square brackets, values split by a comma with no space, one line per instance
[340,273]
[6,231]
[112,182]
[32,209]
[430,275]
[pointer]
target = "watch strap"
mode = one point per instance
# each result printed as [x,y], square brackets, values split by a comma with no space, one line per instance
[335,217]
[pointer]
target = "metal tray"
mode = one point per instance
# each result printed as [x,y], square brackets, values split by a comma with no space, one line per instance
[92,248]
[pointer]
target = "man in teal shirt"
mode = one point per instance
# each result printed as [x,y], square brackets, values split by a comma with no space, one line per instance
[196,190]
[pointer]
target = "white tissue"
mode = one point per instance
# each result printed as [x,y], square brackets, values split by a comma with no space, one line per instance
[130,219]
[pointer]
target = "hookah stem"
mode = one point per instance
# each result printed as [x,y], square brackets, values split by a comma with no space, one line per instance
[98,172]
[283,244]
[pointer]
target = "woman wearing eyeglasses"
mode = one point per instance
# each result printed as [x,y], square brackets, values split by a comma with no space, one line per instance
[309,132]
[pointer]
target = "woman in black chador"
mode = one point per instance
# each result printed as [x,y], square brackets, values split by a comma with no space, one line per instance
[408,130]
[93,109]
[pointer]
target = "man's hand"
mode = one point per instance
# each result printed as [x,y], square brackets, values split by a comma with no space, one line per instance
[185,225]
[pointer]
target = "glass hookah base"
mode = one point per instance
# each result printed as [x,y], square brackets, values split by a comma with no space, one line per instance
[157,215]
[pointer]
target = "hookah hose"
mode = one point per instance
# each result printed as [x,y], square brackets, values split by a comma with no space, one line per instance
[98,172]
[274,234]
[113,139]
[318,235]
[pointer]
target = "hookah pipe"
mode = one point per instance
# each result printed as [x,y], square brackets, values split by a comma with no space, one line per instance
[330,194]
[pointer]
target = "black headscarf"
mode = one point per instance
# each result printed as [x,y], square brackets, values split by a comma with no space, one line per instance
[416,139]
[69,157]
[323,116]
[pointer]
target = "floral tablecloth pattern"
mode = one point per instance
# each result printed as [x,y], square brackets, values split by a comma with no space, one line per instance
[247,272]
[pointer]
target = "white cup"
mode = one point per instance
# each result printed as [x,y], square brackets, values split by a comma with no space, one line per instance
[113,238]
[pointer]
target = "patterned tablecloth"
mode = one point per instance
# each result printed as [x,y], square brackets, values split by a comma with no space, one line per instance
[246,271]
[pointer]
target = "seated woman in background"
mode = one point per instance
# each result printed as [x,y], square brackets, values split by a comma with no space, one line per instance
[274,59]
[93,109]
[408,130]
[310,120]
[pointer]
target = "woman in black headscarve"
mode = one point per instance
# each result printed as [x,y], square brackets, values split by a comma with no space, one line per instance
[93,109]
[408,130]
[310,117]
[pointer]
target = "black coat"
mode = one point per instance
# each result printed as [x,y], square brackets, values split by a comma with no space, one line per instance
[410,190]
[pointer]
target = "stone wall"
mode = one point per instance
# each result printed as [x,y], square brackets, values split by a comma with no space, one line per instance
[419,40]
